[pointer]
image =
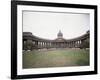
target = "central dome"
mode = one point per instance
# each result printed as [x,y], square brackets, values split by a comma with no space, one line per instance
[60,35]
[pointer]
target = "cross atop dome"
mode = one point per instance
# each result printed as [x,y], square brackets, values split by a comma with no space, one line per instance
[60,35]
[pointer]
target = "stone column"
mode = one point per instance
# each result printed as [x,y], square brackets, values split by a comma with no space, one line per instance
[72,44]
[42,44]
[76,44]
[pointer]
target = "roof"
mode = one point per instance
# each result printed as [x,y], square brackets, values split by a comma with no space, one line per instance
[29,35]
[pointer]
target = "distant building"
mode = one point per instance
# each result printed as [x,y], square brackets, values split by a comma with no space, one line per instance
[31,41]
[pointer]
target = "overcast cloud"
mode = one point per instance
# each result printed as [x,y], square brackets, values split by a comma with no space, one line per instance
[47,24]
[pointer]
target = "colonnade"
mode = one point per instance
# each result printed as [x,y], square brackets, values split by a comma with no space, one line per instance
[51,44]
[31,42]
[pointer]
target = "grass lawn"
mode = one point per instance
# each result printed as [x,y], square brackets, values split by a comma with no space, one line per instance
[55,58]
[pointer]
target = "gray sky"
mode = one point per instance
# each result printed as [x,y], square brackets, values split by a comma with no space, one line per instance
[47,24]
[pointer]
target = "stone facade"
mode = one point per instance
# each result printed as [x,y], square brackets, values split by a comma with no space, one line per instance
[31,41]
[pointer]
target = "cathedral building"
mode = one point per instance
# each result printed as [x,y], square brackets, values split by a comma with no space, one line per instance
[31,42]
